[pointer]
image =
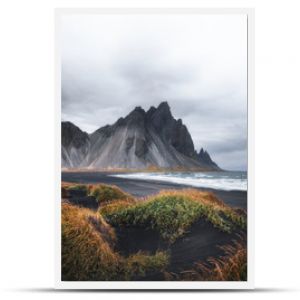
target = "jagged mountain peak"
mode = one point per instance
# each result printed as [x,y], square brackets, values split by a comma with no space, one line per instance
[75,144]
[203,153]
[151,111]
[204,156]
[158,116]
[139,109]
[164,106]
[163,111]
[72,135]
[139,140]
[136,117]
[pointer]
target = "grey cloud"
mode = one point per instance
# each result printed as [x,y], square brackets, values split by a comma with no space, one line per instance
[109,66]
[235,160]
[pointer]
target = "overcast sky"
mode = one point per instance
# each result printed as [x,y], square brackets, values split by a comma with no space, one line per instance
[198,63]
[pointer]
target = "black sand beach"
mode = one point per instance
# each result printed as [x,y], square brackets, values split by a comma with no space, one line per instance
[143,188]
[201,242]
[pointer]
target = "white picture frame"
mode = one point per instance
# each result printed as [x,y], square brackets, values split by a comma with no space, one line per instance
[154,285]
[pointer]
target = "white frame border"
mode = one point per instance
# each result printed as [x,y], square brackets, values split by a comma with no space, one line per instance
[154,285]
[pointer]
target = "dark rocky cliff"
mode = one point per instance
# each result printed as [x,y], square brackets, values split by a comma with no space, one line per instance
[74,145]
[142,139]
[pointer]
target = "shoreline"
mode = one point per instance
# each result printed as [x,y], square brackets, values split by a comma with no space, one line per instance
[142,188]
[147,170]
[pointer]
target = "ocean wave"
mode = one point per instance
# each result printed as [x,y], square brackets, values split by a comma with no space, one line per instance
[219,181]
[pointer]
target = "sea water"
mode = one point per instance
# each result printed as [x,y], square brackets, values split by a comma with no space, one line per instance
[229,180]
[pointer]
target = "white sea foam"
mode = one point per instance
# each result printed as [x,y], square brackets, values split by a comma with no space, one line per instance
[228,181]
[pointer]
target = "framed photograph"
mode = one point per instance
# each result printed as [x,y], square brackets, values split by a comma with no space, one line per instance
[154,145]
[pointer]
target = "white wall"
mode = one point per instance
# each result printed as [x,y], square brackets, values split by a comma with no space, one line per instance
[27,146]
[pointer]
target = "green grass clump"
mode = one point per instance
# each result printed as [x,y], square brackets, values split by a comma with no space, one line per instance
[171,214]
[107,193]
[87,250]
[235,218]
[139,264]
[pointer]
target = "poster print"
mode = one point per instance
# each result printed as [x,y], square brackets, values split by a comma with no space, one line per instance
[154,148]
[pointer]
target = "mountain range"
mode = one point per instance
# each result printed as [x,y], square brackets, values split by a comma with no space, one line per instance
[141,140]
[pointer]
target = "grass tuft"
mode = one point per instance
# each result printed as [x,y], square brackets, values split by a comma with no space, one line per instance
[230,267]
[116,206]
[99,194]
[141,264]
[173,212]
[106,193]
[78,187]
[88,238]
[88,250]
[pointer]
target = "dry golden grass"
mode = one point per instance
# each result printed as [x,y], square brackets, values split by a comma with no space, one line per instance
[206,198]
[88,250]
[88,240]
[103,193]
[66,184]
[115,206]
[106,193]
[230,267]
